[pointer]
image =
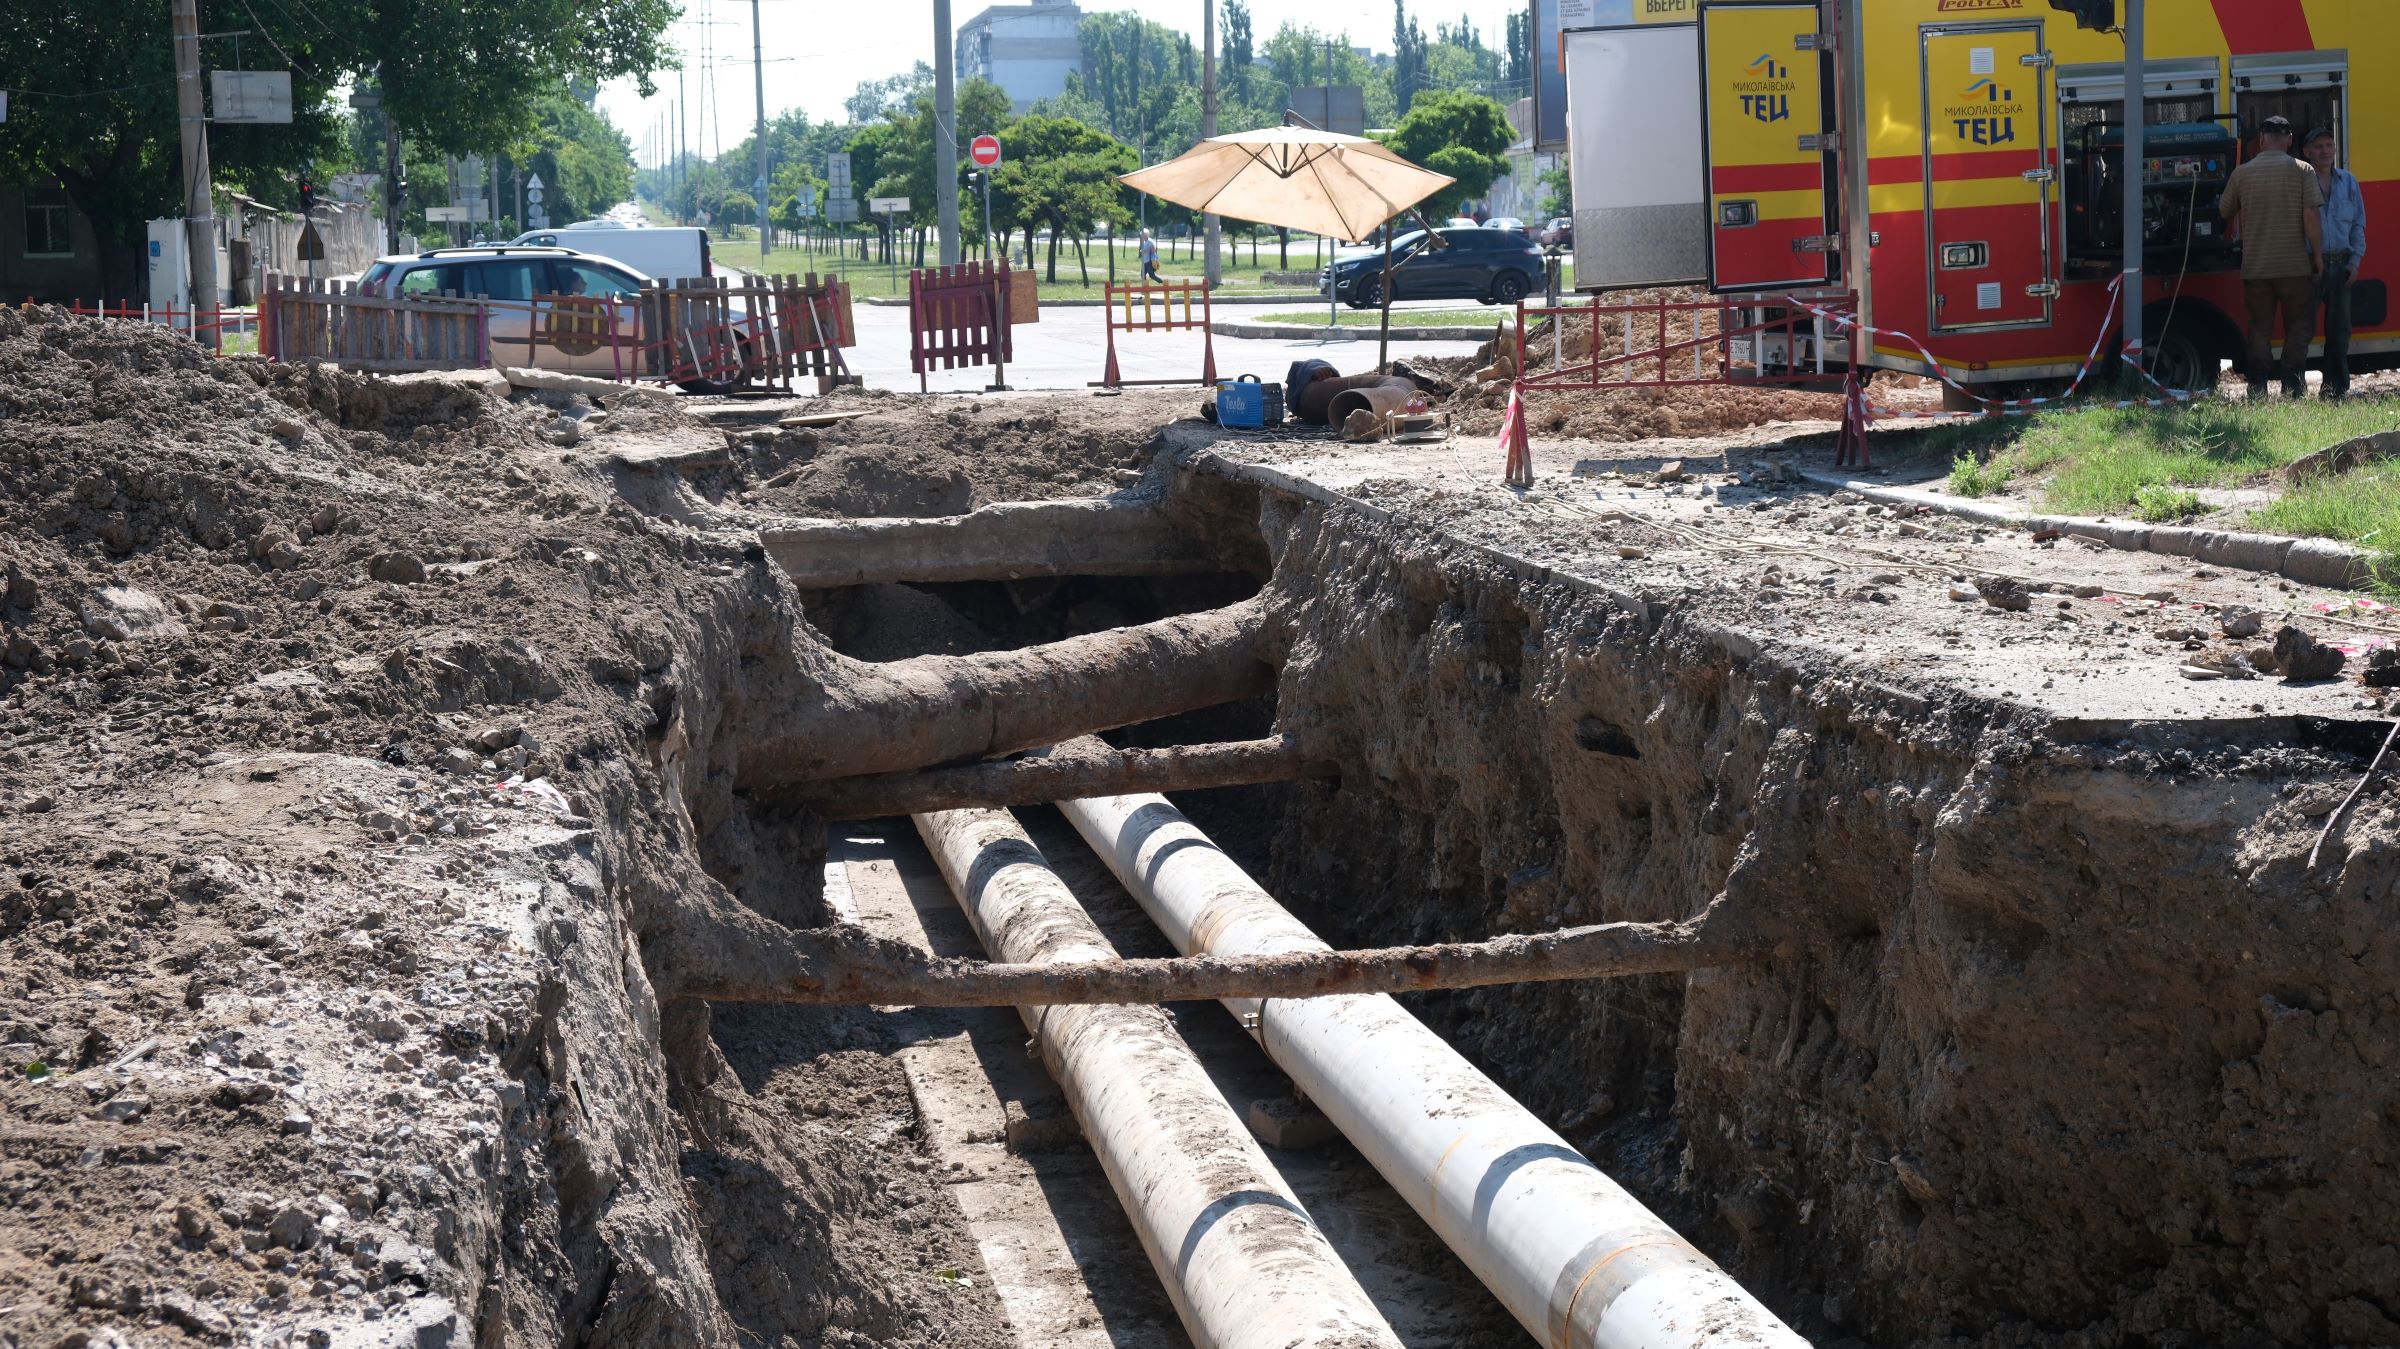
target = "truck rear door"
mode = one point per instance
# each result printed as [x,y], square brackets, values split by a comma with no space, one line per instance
[1988,166]
[1768,154]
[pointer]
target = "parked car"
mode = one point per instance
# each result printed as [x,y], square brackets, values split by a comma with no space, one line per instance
[1560,233]
[674,252]
[1505,222]
[573,337]
[1469,262]
[1461,222]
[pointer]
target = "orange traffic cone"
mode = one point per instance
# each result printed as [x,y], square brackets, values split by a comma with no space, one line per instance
[1109,376]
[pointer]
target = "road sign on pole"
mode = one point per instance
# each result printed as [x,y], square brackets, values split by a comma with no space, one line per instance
[984,150]
[887,207]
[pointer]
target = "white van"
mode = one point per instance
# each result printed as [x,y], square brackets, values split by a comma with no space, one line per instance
[668,252]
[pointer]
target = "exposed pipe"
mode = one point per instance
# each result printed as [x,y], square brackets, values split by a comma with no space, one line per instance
[1082,772]
[1245,1265]
[1578,1261]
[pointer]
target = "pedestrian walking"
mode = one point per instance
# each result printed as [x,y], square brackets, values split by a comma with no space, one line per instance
[2275,201]
[1150,258]
[2344,230]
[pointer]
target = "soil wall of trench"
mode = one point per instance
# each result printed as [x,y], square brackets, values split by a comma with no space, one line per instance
[2063,1046]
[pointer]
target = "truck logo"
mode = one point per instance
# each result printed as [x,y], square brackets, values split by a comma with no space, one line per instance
[1767,93]
[1988,117]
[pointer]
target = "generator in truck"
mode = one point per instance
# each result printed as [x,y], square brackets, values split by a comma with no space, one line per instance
[1953,170]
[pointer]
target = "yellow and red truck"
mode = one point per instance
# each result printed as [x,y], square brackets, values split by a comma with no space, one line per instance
[1956,166]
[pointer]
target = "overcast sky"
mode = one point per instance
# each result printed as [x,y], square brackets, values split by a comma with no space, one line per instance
[817,51]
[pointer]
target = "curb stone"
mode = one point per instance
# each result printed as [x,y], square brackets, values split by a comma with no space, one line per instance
[1311,333]
[2314,562]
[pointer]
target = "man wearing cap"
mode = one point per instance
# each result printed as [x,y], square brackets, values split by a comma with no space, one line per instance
[2344,229]
[2278,205]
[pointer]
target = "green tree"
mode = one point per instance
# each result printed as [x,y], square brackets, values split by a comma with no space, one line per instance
[1517,68]
[1457,133]
[1409,73]
[100,114]
[1138,71]
[586,165]
[1062,175]
[1240,54]
[1558,193]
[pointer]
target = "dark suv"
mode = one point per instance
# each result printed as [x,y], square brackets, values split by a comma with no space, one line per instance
[1494,266]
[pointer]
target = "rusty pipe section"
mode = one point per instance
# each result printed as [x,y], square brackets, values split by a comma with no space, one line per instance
[1578,1261]
[1244,1264]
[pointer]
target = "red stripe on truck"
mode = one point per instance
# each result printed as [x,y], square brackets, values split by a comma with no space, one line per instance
[2264,26]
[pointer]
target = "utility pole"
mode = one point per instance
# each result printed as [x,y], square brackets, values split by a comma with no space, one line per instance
[2137,115]
[945,136]
[1208,124]
[683,122]
[758,70]
[395,192]
[199,208]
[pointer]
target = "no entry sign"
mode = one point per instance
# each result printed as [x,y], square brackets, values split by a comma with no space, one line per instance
[984,150]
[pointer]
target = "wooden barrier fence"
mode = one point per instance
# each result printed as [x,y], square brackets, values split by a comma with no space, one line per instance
[776,329]
[1162,318]
[303,320]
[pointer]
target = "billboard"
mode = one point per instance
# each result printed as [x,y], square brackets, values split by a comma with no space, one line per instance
[1340,107]
[1553,17]
[250,95]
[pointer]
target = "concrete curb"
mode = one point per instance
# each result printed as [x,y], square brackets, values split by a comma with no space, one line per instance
[2314,562]
[1302,332]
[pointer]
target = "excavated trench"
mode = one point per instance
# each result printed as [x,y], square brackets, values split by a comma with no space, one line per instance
[2042,1028]
[2058,1042]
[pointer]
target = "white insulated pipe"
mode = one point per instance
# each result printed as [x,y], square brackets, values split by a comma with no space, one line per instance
[1579,1262]
[1244,1264]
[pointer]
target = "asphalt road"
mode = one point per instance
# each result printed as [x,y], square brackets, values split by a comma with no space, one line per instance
[1067,349]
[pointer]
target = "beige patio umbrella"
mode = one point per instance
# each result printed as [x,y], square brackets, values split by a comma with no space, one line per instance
[1301,178]
[1295,176]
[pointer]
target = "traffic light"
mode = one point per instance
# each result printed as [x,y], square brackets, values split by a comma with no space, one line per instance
[974,180]
[308,196]
[2097,14]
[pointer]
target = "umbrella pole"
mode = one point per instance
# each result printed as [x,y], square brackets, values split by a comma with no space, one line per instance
[1383,345]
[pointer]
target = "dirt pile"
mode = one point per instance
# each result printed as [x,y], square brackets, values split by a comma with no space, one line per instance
[352,733]
[917,456]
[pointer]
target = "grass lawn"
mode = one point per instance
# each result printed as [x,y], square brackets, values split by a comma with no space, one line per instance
[1241,275]
[2143,462]
[1481,316]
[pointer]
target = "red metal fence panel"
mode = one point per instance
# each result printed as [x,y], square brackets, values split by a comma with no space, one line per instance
[959,316]
[1669,344]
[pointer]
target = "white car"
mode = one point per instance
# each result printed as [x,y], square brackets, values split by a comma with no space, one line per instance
[669,252]
[1505,222]
[573,337]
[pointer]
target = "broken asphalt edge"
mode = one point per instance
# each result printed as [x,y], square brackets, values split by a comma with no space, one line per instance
[2315,562]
